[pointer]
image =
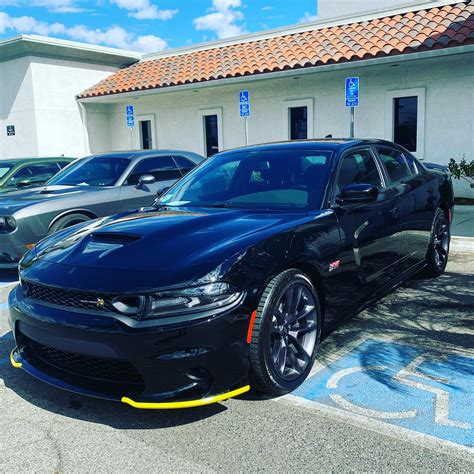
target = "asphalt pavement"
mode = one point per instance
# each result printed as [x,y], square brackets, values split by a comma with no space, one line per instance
[392,390]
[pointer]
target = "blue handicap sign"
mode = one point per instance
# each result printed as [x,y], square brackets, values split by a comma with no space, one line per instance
[431,393]
[130,115]
[352,92]
[244,101]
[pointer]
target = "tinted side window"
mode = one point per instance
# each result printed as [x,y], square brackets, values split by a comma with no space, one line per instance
[358,167]
[394,162]
[62,164]
[39,172]
[184,164]
[162,168]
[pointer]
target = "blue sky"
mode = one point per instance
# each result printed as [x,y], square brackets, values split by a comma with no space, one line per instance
[148,25]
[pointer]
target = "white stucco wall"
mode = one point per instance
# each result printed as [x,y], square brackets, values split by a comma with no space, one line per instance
[447,83]
[38,97]
[17,107]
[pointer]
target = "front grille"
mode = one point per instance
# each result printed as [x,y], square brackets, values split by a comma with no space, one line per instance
[108,370]
[69,298]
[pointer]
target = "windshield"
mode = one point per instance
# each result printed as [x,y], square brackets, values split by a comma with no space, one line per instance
[5,167]
[95,171]
[277,179]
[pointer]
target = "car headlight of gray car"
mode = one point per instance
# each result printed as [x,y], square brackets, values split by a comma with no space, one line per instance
[7,223]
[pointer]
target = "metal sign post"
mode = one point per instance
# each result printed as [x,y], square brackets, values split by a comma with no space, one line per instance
[244,101]
[130,118]
[352,100]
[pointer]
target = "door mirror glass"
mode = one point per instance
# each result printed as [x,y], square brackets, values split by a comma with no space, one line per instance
[145,180]
[23,183]
[358,193]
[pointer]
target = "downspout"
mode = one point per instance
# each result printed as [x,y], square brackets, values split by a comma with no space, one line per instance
[85,131]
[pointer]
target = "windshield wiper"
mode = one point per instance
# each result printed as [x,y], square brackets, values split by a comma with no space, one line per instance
[223,205]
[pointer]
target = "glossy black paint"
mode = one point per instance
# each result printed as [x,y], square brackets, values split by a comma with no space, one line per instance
[353,252]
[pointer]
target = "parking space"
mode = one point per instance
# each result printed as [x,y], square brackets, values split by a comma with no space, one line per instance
[392,385]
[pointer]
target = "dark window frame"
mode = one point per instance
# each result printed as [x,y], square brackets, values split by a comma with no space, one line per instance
[290,122]
[397,125]
[208,147]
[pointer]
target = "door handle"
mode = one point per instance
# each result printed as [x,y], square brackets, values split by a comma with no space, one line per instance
[395,212]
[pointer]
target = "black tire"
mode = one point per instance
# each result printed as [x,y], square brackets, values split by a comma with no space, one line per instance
[68,221]
[438,250]
[268,373]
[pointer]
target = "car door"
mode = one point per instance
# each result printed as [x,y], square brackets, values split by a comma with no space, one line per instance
[164,170]
[370,248]
[413,224]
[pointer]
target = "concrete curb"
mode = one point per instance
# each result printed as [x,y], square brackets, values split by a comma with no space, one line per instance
[462,244]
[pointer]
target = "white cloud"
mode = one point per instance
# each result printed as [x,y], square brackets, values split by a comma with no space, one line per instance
[308,18]
[266,8]
[56,6]
[115,36]
[144,10]
[223,19]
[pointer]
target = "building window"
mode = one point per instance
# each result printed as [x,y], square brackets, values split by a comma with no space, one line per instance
[405,119]
[298,123]
[146,139]
[211,134]
[405,122]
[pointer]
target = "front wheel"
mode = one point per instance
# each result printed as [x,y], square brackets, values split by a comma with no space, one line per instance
[286,333]
[438,251]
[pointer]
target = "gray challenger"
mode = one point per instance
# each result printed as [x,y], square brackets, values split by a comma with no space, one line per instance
[92,187]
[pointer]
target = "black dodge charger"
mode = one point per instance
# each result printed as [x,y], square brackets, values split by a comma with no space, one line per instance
[229,279]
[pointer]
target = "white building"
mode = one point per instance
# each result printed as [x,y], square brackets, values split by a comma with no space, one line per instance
[416,70]
[39,80]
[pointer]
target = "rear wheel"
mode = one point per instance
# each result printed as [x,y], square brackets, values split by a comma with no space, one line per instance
[285,334]
[438,251]
[68,221]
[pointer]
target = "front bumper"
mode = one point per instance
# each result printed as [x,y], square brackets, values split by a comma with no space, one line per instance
[183,366]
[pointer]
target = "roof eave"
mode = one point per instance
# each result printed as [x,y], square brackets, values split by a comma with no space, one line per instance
[398,58]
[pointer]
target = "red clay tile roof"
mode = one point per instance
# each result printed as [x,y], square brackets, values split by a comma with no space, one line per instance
[435,28]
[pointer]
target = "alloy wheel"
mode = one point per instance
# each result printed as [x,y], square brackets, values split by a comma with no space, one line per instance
[293,331]
[441,241]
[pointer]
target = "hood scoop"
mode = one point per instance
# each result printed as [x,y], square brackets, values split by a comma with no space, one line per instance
[113,238]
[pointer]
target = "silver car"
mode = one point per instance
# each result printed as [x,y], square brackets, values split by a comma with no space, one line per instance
[92,187]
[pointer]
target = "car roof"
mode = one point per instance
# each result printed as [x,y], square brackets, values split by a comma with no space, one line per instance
[42,158]
[136,155]
[323,144]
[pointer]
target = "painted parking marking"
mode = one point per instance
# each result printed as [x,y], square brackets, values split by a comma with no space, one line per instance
[405,386]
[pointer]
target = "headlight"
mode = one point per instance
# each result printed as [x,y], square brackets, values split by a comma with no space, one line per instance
[174,302]
[7,223]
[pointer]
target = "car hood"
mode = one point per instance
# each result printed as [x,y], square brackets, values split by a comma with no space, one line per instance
[14,201]
[165,240]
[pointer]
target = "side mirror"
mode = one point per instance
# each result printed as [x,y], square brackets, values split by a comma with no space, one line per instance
[23,183]
[162,191]
[358,194]
[145,180]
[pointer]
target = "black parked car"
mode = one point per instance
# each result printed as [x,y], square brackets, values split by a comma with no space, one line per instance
[229,279]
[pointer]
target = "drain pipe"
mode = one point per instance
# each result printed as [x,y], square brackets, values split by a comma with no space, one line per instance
[85,131]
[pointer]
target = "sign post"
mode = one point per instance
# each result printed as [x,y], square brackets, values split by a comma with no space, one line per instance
[130,118]
[244,101]
[352,99]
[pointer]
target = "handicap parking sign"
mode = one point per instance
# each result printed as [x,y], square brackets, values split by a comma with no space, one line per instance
[130,115]
[419,390]
[352,92]
[244,101]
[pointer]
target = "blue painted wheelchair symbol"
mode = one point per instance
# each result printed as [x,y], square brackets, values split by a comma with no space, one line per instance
[402,385]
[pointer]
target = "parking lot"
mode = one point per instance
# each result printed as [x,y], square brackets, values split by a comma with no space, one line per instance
[392,385]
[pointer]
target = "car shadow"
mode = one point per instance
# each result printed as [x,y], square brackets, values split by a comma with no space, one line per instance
[423,316]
